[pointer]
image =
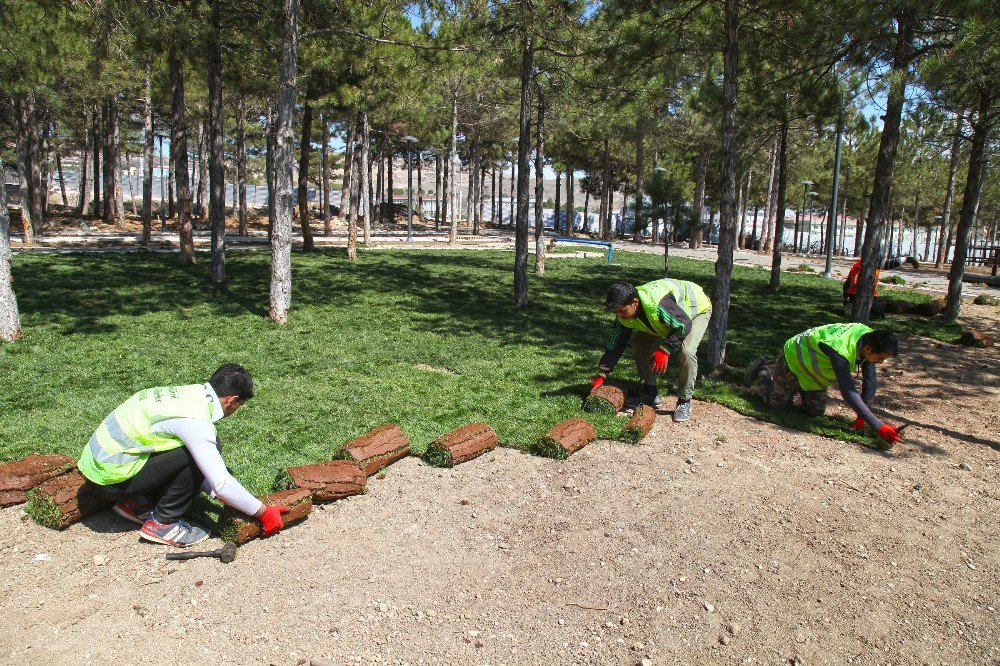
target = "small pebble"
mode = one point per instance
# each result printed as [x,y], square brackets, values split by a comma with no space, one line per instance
[725,640]
[709,607]
[966,466]
[100,560]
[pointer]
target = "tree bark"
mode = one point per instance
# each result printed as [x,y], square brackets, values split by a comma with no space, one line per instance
[728,206]
[147,155]
[364,189]
[771,202]
[25,138]
[437,192]
[242,214]
[203,140]
[742,241]
[523,146]
[178,150]
[453,166]
[83,204]
[10,319]
[570,199]
[606,193]
[324,122]
[420,184]
[354,196]
[345,190]
[95,133]
[272,185]
[701,173]
[637,213]
[284,165]
[949,197]
[539,190]
[305,145]
[970,202]
[779,199]
[217,158]
[871,250]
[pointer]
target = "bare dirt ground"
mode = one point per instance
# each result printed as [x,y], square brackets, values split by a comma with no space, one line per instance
[722,540]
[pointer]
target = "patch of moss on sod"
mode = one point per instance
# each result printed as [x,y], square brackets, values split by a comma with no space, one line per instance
[43,509]
[631,435]
[598,405]
[549,448]
[438,456]
[283,481]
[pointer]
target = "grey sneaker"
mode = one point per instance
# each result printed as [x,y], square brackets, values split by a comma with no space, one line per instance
[753,371]
[179,535]
[682,412]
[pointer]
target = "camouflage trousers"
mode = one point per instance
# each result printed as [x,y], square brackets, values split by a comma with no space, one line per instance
[779,385]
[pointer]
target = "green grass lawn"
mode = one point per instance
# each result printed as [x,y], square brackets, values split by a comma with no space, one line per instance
[425,339]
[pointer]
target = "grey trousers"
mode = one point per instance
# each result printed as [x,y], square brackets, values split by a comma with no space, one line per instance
[644,345]
[784,385]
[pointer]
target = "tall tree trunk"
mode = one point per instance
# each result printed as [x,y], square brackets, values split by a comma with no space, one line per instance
[10,319]
[325,175]
[147,156]
[482,199]
[83,203]
[606,193]
[62,180]
[570,199]
[754,239]
[770,205]
[390,187]
[284,166]
[558,207]
[25,137]
[539,189]
[742,241]
[202,169]
[637,213]
[586,211]
[523,147]
[881,187]
[364,191]
[354,197]
[728,206]
[216,157]
[455,166]
[178,150]
[420,184]
[437,192]
[269,166]
[242,213]
[131,188]
[345,190]
[701,173]
[304,147]
[779,199]
[981,128]
[95,134]
[956,149]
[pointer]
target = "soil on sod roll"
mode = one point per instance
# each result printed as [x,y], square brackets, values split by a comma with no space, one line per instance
[607,398]
[327,481]
[639,425]
[17,478]
[63,500]
[568,437]
[376,449]
[240,528]
[461,445]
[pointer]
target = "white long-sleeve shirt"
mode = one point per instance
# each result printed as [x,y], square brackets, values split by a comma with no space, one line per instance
[200,439]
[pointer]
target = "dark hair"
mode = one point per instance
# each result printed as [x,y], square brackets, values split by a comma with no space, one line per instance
[620,293]
[232,379]
[881,342]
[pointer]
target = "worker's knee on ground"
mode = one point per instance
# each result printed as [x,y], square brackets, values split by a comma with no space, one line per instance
[814,405]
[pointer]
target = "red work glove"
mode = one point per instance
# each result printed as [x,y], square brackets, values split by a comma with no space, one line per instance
[270,520]
[859,424]
[659,363]
[889,433]
[597,383]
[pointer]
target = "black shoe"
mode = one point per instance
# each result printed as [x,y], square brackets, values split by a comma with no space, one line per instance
[754,371]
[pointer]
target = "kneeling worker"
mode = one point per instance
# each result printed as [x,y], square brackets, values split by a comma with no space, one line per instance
[816,359]
[850,288]
[156,450]
[662,316]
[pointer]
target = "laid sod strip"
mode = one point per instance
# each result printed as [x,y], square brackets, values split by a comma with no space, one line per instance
[17,478]
[327,481]
[568,437]
[376,449]
[639,425]
[240,528]
[606,399]
[461,445]
[969,339]
[64,500]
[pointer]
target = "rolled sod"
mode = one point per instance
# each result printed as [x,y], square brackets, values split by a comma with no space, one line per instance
[461,445]
[607,398]
[64,500]
[239,528]
[17,478]
[639,425]
[568,437]
[376,449]
[327,481]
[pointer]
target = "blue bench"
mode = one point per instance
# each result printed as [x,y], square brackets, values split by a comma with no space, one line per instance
[611,248]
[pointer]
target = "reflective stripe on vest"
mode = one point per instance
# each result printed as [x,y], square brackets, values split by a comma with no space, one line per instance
[131,449]
[810,364]
[688,295]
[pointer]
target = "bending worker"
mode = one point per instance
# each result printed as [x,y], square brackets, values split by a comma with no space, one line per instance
[851,284]
[156,450]
[820,357]
[657,318]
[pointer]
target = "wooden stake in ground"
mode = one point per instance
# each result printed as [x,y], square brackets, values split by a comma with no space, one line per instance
[64,500]
[458,446]
[376,449]
[568,437]
[639,425]
[606,399]
[240,528]
[326,481]
[17,478]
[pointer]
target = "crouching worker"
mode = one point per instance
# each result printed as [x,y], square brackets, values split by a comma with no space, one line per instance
[157,450]
[658,318]
[816,359]
[850,288]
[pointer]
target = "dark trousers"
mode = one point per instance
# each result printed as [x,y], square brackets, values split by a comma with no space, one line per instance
[171,479]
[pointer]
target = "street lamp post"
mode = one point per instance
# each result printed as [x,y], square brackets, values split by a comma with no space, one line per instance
[409,187]
[806,184]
